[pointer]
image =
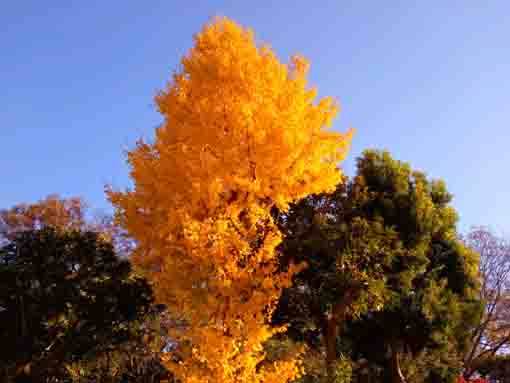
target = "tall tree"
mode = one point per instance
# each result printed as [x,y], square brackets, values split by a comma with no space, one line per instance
[433,299]
[377,248]
[346,256]
[241,134]
[492,334]
[69,300]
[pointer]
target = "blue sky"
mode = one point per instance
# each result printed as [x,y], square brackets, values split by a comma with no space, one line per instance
[427,80]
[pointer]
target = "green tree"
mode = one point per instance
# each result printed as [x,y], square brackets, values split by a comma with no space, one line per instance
[346,259]
[70,303]
[433,300]
[376,249]
[429,324]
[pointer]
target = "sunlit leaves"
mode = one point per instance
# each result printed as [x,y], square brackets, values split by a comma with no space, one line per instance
[241,133]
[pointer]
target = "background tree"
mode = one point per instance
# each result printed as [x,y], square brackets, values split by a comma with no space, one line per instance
[62,214]
[241,134]
[391,230]
[346,256]
[492,334]
[70,301]
[52,211]
[431,325]
[432,301]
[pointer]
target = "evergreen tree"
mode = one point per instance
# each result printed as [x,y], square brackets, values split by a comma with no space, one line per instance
[434,300]
[383,249]
[70,302]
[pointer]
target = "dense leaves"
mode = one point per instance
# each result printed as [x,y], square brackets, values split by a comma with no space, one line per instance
[242,133]
[389,235]
[68,300]
[433,300]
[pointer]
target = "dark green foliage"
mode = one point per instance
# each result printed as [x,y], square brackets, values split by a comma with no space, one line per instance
[436,305]
[432,343]
[391,230]
[340,249]
[70,301]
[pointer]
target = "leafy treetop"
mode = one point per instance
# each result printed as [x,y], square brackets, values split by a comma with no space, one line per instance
[241,133]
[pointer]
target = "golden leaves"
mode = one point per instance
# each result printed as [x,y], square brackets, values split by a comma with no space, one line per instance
[241,133]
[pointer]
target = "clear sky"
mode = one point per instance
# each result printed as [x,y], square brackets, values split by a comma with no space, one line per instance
[427,80]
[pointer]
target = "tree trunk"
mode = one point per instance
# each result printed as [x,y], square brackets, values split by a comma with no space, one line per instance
[396,372]
[334,322]
[331,335]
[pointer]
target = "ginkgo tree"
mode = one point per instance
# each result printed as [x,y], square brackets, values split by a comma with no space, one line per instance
[241,133]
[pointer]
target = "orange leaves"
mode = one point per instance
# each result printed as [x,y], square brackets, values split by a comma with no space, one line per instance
[60,213]
[241,133]
[242,104]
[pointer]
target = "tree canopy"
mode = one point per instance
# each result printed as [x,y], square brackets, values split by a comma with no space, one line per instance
[388,233]
[242,133]
[69,301]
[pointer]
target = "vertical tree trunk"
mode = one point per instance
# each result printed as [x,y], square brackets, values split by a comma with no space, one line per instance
[334,323]
[331,335]
[396,372]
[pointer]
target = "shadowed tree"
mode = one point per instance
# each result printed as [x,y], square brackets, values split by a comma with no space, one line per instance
[346,259]
[430,325]
[433,301]
[376,249]
[69,301]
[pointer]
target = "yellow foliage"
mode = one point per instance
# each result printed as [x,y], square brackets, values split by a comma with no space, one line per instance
[242,133]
